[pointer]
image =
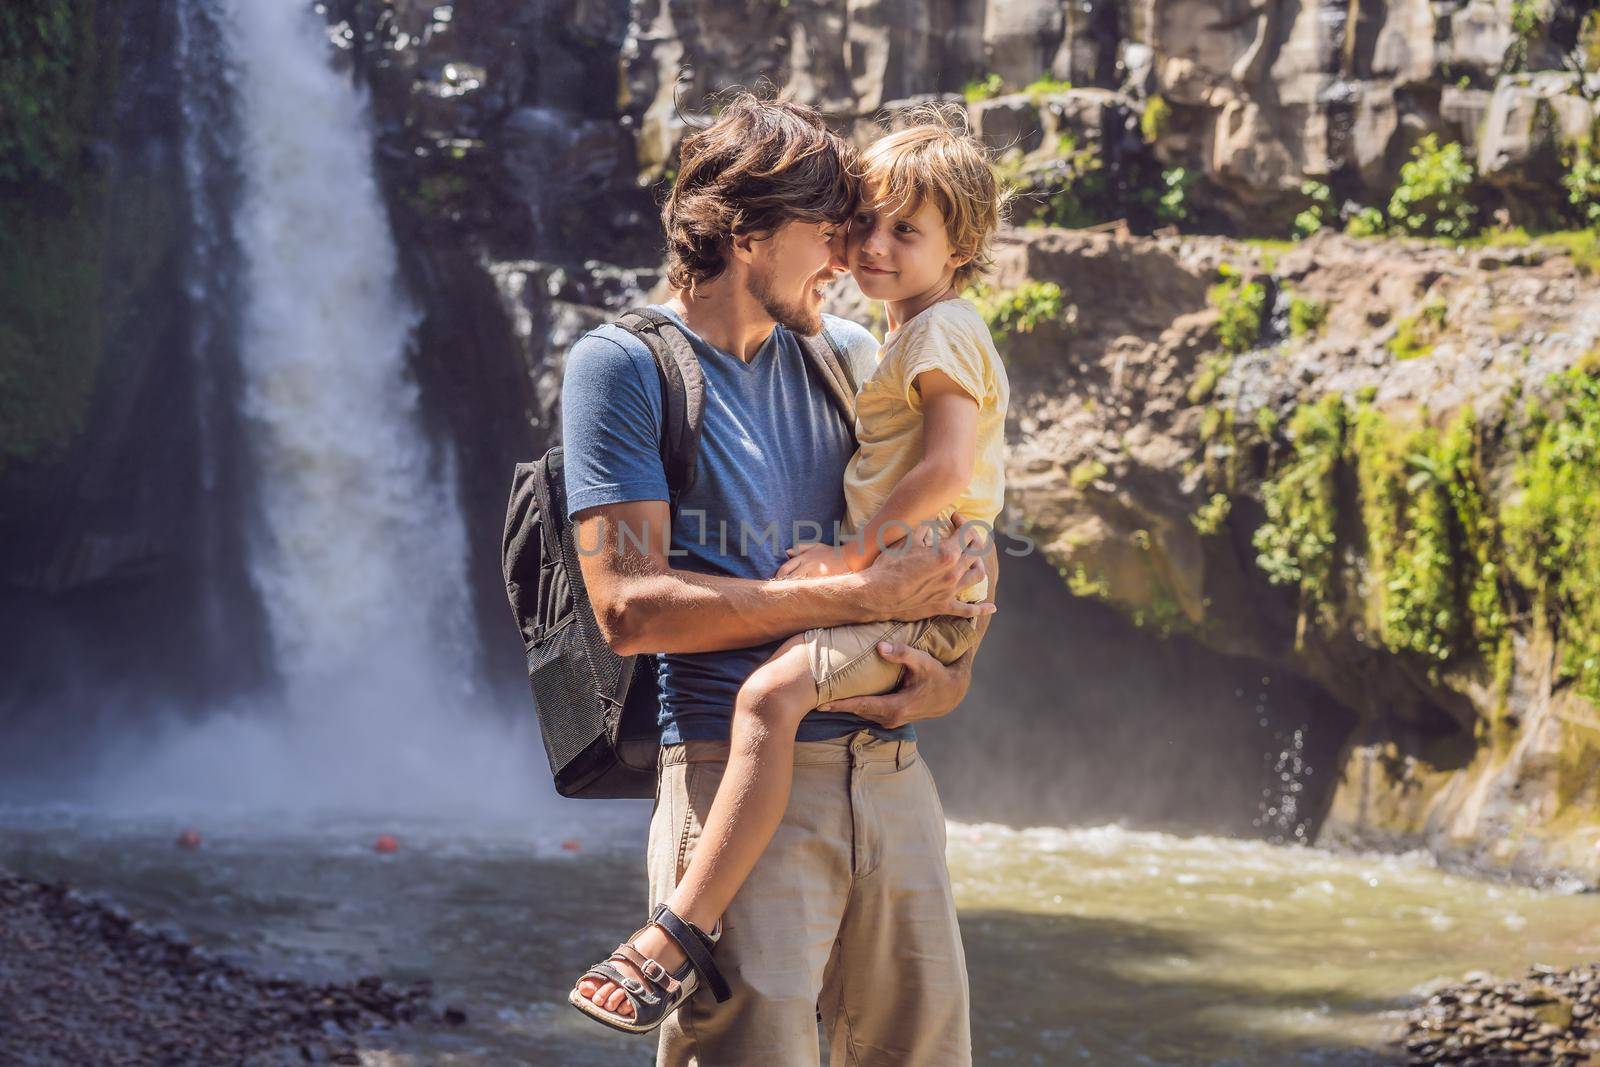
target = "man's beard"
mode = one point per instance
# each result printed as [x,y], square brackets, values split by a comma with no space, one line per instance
[799,316]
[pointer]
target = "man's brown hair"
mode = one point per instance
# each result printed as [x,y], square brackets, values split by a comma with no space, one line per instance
[761,164]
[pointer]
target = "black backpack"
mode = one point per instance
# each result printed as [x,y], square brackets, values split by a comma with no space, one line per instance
[597,710]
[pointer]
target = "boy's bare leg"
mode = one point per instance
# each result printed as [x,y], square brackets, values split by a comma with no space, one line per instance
[749,805]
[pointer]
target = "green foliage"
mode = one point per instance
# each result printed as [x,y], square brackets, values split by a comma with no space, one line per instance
[1551,533]
[1306,316]
[1155,120]
[1295,545]
[439,195]
[1319,200]
[1239,305]
[985,88]
[1432,199]
[50,82]
[1210,516]
[1087,473]
[1432,545]
[1212,368]
[1019,310]
[1368,222]
[1068,189]
[1172,205]
[1414,335]
[1527,23]
[1045,86]
[1582,181]
[54,85]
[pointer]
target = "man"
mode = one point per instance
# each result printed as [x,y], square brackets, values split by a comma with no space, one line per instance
[849,911]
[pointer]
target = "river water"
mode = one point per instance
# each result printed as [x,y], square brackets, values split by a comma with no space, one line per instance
[1097,946]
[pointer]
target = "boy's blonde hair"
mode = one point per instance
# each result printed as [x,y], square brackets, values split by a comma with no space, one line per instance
[935,158]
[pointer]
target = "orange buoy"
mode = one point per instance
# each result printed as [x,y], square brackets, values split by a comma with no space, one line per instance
[571,844]
[190,838]
[386,844]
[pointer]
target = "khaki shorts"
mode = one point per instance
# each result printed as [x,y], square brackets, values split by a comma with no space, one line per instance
[848,914]
[845,661]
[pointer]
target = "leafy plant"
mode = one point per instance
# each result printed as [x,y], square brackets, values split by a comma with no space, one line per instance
[1019,310]
[1432,198]
[1368,222]
[1295,545]
[1239,305]
[1209,517]
[1553,540]
[1306,316]
[1320,199]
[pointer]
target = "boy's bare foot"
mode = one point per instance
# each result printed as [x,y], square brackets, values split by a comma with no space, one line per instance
[653,944]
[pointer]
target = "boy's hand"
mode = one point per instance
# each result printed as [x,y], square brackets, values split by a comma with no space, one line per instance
[815,560]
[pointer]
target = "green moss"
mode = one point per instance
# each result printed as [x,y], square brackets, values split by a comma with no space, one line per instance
[1553,540]
[1155,119]
[1267,422]
[55,80]
[985,88]
[1045,86]
[51,84]
[1414,335]
[1081,583]
[1239,305]
[1432,547]
[1295,545]
[1212,368]
[1306,316]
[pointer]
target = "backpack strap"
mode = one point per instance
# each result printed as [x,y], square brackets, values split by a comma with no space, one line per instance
[831,367]
[683,393]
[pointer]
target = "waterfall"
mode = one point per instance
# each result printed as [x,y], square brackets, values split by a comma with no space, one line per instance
[355,542]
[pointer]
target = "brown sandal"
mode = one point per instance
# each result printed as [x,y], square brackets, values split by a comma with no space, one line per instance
[662,992]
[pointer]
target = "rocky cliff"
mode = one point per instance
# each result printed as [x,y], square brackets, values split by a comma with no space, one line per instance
[1384,488]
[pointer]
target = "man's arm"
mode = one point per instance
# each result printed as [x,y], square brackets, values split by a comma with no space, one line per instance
[930,689]
[644,605]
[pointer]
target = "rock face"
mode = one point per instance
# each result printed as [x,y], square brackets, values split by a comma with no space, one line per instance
[1145,460]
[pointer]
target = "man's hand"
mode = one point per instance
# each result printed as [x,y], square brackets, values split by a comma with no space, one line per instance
[929,690]
[914,580]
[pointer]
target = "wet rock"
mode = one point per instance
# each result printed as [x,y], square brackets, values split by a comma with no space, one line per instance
[1539,1019]
[82,983]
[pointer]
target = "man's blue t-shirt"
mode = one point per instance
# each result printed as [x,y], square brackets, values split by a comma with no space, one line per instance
[773,450]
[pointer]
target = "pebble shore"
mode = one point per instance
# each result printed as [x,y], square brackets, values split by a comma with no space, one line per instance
[83,983]
[1549,1017]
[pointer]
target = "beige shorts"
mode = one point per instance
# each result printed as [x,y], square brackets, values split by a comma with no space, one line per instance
[845,661]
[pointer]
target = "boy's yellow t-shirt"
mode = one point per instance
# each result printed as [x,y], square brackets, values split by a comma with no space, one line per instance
[952,337]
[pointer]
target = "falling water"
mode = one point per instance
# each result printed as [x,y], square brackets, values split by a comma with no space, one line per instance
[355,543]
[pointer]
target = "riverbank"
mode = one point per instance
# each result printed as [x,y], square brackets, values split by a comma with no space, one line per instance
[1549,1016]
[82,982]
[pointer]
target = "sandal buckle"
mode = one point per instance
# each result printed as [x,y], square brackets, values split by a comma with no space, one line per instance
[654,971]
